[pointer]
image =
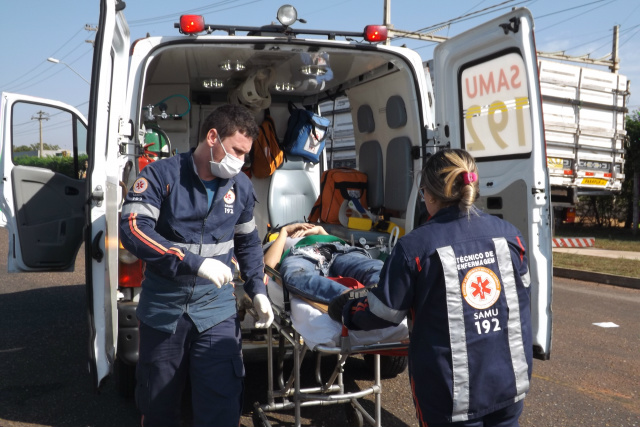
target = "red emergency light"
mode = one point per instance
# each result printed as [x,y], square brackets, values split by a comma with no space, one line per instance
[375,33]
[191,24]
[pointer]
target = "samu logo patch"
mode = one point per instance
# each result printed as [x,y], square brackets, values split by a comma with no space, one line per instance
[229,198]
[140,186]
[481,288]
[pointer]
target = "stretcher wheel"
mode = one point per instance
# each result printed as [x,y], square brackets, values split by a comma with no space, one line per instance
[354,417]
[390,366]
[257,420]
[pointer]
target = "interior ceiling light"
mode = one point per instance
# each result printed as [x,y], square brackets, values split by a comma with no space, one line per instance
[284,87]
[212,83]
[313,70]
[230,65]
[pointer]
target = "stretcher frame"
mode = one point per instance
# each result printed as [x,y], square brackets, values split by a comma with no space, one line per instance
[290,395]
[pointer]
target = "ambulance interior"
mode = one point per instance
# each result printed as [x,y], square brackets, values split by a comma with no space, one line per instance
[380,106]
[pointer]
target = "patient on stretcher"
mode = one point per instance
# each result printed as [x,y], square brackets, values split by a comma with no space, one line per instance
[308,257]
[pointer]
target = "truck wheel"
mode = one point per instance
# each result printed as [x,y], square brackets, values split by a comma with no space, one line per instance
[390,366]
[125,378]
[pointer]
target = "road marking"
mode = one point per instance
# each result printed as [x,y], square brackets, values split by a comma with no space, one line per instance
[607,325]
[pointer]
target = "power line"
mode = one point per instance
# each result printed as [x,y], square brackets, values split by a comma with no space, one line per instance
[213,7]
[575,16]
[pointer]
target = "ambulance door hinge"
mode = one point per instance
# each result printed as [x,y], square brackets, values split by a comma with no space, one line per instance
[432,134]
[125,134]
[535,190]
[513,25]
[98,196]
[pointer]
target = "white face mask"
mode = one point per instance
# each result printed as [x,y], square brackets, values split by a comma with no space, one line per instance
[228,167]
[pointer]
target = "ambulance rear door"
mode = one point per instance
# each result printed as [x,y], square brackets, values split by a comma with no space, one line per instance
[488,102]
[109,132]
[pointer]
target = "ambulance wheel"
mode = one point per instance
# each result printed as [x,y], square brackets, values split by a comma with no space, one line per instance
[125,378]
[390,366]
[354,417]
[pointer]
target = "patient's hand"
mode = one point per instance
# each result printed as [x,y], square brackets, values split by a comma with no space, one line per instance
[297,230]
[314,230]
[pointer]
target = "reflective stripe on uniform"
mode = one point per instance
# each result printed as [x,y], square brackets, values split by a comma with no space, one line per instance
[156,246]
[514,325]
[207,250]
[382,311]
[526,279]
[457,331]
[144,209]
[245,228]
[457,335]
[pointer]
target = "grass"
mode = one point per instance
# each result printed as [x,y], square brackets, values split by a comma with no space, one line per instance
[605,238]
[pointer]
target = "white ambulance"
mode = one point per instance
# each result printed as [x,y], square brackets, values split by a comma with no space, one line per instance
[159,89]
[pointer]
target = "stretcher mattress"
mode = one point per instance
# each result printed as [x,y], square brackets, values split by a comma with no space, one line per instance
[317,328]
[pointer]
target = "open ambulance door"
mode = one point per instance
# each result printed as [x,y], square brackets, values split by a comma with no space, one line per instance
[42,209]
[107,125]
[488,102]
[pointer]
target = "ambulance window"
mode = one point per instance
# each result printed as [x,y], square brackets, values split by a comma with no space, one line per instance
[48,137]
[495,107]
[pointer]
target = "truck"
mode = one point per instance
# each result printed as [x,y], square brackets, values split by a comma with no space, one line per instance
[147,101]
[584,118]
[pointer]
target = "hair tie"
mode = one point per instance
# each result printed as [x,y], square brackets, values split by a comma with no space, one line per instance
[469,177]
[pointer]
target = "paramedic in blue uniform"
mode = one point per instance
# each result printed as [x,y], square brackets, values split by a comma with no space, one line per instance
[186,217]
[462,278]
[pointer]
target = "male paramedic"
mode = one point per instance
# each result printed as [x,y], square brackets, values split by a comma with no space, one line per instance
[186,217]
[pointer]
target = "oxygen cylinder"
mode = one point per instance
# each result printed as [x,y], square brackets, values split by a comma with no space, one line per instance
[156,140]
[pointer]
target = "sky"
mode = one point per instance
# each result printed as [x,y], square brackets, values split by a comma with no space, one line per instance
[34,30]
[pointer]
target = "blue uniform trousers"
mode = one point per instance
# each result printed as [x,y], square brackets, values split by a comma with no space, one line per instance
[213,361]
[303,277]
[505,417]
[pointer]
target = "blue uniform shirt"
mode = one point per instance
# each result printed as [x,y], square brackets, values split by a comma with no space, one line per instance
[167,222]
[464,282]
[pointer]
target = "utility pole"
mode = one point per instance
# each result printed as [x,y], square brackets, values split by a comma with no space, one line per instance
[40,116]
[386,19]
[615,62]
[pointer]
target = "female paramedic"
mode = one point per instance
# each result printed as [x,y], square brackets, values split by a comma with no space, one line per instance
[462,277]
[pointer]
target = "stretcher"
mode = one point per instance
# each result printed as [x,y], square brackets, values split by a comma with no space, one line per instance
[302,325]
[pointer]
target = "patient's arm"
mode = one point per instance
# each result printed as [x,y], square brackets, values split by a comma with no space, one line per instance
[275,251]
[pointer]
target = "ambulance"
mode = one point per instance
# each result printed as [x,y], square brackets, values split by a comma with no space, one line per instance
[148,98]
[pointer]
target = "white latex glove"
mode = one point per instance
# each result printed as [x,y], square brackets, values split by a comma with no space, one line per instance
[263,307]
[215,271]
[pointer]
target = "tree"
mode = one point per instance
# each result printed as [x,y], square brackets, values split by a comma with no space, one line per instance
[632,163]
[36,147]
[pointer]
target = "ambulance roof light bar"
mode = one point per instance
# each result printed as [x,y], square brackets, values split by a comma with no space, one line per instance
[191,24]
[287,16]
[375,33]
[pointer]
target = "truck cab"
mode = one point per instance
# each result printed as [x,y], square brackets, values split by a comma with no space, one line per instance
[149,97]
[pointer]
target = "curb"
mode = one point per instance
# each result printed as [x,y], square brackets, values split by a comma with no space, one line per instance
[590,276]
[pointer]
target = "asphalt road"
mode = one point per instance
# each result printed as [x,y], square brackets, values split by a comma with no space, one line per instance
[592,379]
